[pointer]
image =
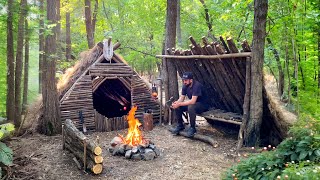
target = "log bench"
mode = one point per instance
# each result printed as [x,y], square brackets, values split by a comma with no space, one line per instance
[223,116]
[219,115]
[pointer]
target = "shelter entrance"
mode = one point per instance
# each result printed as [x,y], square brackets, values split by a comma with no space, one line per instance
[111,97]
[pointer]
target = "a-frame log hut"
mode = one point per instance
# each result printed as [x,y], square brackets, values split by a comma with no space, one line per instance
[101,92]
[224,72]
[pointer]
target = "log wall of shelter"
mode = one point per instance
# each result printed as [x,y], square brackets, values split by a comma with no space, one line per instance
[79,99]
[141,96]
[224,79]
[104,124]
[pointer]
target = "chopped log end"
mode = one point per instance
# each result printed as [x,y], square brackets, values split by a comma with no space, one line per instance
[229,38]
[97,168]
[97,150]
[98,159]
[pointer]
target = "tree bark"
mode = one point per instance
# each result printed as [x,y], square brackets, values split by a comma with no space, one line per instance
[41,43]
[50,124]
[169,70]
[94,18]
[280,69]
[26,69]
[19,62]
[59,41]
[10,64]
[179,38]
[68,35]
[208,20]
[252,133]
[89,27]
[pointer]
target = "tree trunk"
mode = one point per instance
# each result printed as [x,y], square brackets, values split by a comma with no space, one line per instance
[179,24]
[41,43]
[169,70]
[252,132]
[88,19]
[26,69]
[10,63]
[68,35]
[59,41]
[19,63]
[94,19]
[50,123]
[280,70]
[208,21]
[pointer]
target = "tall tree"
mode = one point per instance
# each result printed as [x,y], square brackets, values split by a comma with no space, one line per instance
[26,68]
[280,69]
[169,70]
[19,63]
[59,40]
[252,131]
[41,42]
[50,123]
[90,21]
[179,24]
[68,33]
[10,63]
[208,20]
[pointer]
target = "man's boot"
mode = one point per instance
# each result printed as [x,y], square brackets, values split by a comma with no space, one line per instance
[179,128]
[191,132]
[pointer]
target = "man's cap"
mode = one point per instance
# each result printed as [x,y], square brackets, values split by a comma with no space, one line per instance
[187,75]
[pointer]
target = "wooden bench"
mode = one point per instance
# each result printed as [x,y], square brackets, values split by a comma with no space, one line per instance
[219,115]
[223,116]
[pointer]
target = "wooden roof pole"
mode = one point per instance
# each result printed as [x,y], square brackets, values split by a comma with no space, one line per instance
[219,56]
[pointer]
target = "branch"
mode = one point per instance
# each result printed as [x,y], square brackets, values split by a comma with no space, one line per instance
[145,53]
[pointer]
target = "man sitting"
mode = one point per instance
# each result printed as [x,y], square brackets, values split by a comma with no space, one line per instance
[196,103]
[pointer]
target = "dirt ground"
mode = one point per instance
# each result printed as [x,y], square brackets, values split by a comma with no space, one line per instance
[41,157]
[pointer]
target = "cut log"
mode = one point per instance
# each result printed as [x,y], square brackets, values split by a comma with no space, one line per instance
[78,137]
[86,151]
[199,137]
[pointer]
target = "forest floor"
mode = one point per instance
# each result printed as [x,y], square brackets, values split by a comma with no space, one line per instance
[41,157]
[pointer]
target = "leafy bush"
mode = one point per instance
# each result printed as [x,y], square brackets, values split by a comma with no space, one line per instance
[6,154]
[297,157]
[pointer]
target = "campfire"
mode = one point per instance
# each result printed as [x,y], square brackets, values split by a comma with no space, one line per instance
[133,145]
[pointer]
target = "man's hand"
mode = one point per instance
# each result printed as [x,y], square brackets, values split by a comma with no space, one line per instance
[175,105]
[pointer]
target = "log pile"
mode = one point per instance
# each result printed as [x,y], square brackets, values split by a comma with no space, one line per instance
[87,153]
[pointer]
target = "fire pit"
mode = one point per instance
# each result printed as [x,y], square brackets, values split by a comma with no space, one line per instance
[134,146]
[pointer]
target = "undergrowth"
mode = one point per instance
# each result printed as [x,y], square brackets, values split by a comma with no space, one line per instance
[297,157]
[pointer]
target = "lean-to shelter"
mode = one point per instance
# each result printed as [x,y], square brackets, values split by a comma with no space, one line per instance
[224,70]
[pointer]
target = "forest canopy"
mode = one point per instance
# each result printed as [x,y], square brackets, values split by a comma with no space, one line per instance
[292,32]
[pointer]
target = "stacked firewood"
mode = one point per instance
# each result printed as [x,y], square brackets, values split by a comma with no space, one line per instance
[87,153]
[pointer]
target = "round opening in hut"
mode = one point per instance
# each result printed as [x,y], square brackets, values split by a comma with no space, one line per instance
[111,97]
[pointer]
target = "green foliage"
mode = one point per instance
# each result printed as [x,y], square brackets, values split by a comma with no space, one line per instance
[299,153]
[6,154]
[6,129]
[305,170]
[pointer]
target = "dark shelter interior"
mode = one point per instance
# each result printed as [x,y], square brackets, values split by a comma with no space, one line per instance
[112,98]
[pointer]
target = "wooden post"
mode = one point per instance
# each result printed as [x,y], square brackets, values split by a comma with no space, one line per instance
[84,154]
[63,138]
[246,103]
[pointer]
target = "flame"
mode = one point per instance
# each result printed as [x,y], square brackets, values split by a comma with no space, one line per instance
[134,136]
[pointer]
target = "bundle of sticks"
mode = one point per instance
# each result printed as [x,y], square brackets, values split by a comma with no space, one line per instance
[88,154]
